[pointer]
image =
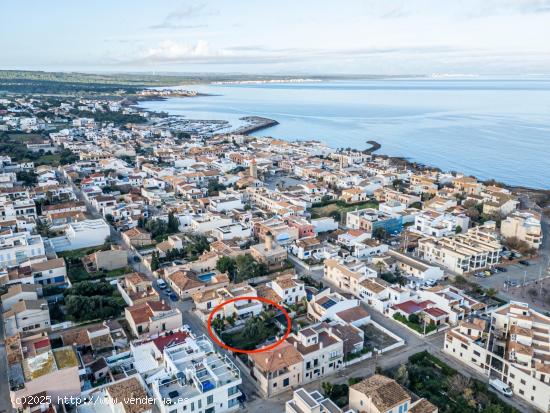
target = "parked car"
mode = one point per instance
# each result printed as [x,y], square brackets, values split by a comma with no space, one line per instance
[479,275]
[501,387]
[161,284]
[525,262]
[511,283]
[487,273]
[173,297]
[501,269]
[137,259]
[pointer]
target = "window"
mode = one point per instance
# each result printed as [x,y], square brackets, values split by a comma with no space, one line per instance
[210,400]
[286,382]
[477,353]
[522,381]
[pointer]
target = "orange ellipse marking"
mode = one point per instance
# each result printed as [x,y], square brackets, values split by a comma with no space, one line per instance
[258,350]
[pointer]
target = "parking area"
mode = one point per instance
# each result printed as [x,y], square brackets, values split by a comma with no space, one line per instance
[516,274]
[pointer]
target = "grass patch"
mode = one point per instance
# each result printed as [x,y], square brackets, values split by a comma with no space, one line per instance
[82,252]
[415,326]
[26,137]
[339,207]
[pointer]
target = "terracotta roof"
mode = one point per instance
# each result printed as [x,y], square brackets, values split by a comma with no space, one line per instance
[353,314]
[423,406]
[182,280]
[284,355]
[130,389]
[384,392]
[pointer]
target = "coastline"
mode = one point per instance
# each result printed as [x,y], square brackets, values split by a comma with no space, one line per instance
[539,193]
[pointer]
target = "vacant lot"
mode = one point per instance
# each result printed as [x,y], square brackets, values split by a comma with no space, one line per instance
[376,338]
[341,208]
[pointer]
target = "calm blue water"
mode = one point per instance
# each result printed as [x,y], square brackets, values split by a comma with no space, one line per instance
[489,128]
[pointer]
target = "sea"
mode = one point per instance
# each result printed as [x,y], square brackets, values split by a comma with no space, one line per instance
[491,128]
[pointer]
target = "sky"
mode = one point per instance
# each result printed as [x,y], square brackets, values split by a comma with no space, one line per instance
[384,37]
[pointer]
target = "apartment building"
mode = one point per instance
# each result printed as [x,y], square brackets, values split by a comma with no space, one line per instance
[512,346]
[82,234]
[278,369]
[289,288]
[525,226]
[437,224]
[409,266]
[371,220]
[462,253]
[188,375]
[321,349]
[17,247]
[347,274]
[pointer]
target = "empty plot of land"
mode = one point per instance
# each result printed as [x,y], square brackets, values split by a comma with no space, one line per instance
[376,338]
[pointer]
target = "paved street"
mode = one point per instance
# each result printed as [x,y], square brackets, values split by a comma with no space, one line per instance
[394,358]
[5,402]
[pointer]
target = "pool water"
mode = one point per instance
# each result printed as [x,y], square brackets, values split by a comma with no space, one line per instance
[206,277]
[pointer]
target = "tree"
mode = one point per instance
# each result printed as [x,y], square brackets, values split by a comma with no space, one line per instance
[228,265]
[28,178]
[491,292]
[155,261]
[402,375]
[379,233]
[44,229]
[414,318]
[327,388]
[173,223]
[458,229]
[380,266]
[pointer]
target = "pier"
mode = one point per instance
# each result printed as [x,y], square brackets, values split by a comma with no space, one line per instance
[255,123]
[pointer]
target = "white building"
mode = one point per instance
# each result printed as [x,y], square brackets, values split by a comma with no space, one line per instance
[18,247]
[193,377]
[232,231]
[525,226]
[512,347]
[439,224]
[82,234]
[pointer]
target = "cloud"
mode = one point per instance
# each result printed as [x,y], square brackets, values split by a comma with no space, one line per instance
[177,18]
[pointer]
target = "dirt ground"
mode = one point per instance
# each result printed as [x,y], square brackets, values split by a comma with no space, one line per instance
[535,294]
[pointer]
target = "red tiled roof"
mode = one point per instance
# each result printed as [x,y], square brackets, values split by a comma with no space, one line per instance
[170,340]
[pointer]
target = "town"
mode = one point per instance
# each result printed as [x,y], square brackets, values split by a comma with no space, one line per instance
[132,242]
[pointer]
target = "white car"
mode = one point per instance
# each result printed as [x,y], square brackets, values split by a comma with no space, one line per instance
[501,387]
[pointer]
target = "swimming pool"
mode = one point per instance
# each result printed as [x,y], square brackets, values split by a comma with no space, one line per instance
[206,277]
